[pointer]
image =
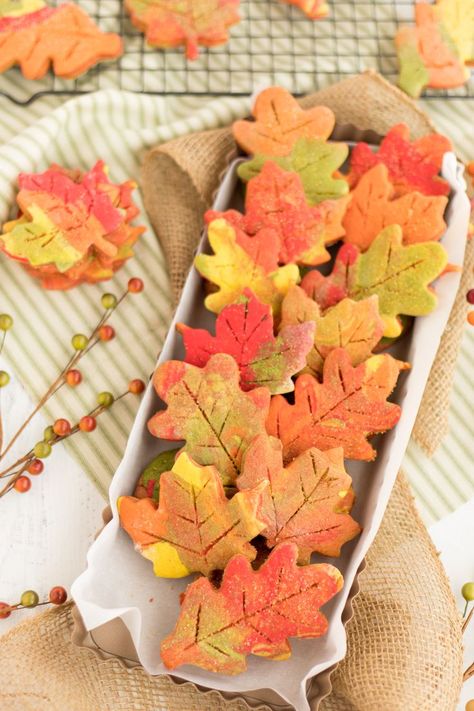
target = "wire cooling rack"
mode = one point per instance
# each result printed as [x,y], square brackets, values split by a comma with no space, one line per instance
[274,43]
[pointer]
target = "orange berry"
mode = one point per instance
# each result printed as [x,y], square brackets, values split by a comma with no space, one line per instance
[22,484]
[106,333]
[136,386]
[5,610]
[35,467]
[470,318]
[62,427]
[58,595]
[135,285]
[87,423]
[73,377]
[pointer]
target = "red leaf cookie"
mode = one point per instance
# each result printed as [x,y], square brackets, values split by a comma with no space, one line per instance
[308,503]
[207,409]
[342,411]
[188,23]
[253,612]
[279,122]
[412,165]
[244,330]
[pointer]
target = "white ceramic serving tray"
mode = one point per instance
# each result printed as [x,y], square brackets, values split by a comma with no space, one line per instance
[119,583]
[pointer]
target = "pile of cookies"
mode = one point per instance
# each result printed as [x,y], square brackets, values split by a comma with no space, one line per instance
[294,380]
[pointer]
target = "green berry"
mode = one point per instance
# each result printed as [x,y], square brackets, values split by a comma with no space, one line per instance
[4,378]
[29,598]
[49,434]
[6,322]
[105,399]
[41,450]
[79,342]
[109,301]
[467,592]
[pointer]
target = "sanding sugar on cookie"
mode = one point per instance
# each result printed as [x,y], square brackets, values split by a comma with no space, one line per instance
[187,23]
[314,9]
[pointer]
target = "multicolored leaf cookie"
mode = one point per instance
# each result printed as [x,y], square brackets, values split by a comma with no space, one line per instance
[343,411]
[148,485]
[35,36]
[355,326]
[195,528]
[412,165]
[314,9]
[308,503]
[233,270]
[427,54]
[207,409]
[457,17]
[187,23]
[316,163]
[399,275]
[244,330]
[252,612]
[280,122]
[74,227]
[372,208]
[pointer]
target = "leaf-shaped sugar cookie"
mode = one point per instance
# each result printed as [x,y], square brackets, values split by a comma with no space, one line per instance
[253,612]
[372,208]
[355,326]
[279,122]
[195,528]
[306,503]
[233,271]
[412,165]
[347,407]
[244,330]
[399,275]
[314,9]
[207,409]
[315,161]
[457,17]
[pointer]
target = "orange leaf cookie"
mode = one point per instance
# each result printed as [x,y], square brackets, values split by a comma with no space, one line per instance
[64,36]
[279,122]
[371,209]
[188,23]
[314,9]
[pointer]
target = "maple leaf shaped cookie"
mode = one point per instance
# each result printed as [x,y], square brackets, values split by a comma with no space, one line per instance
[195,528]
[355,326]
[314,9]
[347,407]
[207,409]
[457,17]
[65,37]
[399,275]
[308,503]
[188,23]
[280,122]
[372,208]
[244,330]
[412,165]
[315,161]
[275,204]
[252,612]
[233,270]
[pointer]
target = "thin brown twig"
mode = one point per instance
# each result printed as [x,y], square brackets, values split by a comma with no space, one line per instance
[467,620]
[468,673]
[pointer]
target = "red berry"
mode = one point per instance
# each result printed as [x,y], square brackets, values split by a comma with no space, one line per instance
[5,610]
[470,296]
[58,595]
[73,377]
[135,285]
[136,387]
[106,333]
[35,467]
[22,484]
[62,427]
[87,423]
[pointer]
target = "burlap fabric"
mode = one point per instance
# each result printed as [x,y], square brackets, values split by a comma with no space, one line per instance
[404,641]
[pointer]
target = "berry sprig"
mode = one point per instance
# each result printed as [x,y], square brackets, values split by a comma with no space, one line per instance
[30,599]
[467,591]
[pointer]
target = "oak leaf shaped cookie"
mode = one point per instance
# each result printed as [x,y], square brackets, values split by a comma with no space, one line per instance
[399,275]
[315,161]
[275,200]
[233,271]
[343,411]
[372,208]
[244,330]
[188,23]
[64,37]
[280,122]
[306,503]
[412,165]
[252,612]
[314,9]
[355,326]
[207,409]
[195,528]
